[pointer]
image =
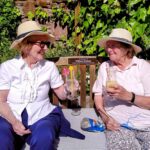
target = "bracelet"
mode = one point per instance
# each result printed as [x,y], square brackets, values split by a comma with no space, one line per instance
[133,98]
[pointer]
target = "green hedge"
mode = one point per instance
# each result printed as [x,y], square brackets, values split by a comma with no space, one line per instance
[10,17]
[97,18]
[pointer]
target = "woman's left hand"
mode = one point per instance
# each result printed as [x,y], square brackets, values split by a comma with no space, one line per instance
[19,128]
[119,92]
[112,124]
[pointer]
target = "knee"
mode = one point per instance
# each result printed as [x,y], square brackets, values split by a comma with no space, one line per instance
[43,138]
[43,142]
[47,136]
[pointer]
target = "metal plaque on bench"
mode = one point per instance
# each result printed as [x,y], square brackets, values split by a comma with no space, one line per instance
[84,61]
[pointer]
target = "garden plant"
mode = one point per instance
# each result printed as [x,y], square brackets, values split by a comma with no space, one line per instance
[86,20]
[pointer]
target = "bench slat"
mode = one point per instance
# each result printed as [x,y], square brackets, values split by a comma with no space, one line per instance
[83,85]
[92,80]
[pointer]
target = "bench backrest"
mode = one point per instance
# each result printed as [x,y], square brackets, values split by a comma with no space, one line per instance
[85,70]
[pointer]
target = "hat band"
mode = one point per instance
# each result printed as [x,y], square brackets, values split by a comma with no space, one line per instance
[122,39]
[24,34]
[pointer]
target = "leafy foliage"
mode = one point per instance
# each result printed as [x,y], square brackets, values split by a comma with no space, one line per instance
[39,14]
[62,47]
[95,20]
[98,18]
[9,19]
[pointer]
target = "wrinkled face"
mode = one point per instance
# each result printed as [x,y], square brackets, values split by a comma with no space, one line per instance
[39,45]
[115,50]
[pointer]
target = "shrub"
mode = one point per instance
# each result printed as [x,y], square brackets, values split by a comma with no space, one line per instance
[97,18]
[9,20]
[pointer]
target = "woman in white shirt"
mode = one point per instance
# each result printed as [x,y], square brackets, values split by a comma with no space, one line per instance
[25,81]
[124,101]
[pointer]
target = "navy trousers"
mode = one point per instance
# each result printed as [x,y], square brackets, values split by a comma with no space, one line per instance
[43,132]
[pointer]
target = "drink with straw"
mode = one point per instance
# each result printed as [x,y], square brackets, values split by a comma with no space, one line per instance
[70,82]
[71,88]
[72,85]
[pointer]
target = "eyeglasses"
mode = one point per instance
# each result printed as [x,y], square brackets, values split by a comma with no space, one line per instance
[41,43]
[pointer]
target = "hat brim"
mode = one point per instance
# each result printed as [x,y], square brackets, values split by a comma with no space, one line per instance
[48,37]
[102,43]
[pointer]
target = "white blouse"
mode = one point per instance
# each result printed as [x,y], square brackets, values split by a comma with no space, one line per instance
[29,88]
[135,78]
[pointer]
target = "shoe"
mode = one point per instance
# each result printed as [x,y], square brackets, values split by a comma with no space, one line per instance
[91,125]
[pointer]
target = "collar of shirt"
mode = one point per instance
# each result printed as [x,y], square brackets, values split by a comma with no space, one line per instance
[133,63]
[23,64]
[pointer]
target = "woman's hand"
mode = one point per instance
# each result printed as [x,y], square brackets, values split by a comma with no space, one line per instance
[19,128]
[111,124]
[72,87]
[120,92]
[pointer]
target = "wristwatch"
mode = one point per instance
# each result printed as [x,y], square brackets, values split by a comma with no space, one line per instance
[133,98]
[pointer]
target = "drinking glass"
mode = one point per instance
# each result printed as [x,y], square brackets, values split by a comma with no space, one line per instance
[110,83]
[74,102]
[71,87]
[111,78]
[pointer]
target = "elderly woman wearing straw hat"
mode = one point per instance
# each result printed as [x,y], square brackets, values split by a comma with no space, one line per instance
[25,109]
[122,93]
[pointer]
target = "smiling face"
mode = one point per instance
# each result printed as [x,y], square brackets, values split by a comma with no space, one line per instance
[116,50]
[34,48]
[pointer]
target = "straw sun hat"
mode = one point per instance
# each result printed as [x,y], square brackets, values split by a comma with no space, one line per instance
[27,29]
[121,35]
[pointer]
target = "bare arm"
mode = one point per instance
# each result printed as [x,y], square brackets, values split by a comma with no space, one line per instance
[142,101]
[121,93]
[111,124]
[64,92]
[6,112]
[99,106]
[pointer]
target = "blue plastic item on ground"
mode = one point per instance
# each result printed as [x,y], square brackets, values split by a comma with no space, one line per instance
[91,125]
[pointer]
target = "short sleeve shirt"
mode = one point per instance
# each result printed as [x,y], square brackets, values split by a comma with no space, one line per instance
[134,78]
[29,88]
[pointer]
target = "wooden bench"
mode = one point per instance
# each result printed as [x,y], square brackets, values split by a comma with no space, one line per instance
[85,71]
